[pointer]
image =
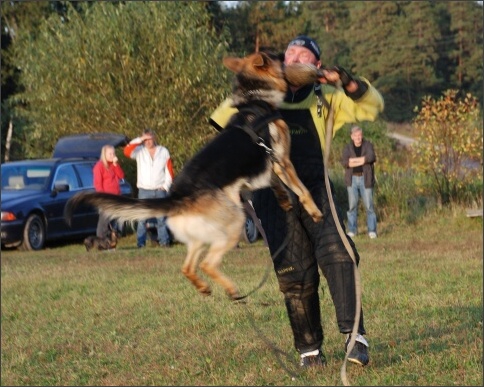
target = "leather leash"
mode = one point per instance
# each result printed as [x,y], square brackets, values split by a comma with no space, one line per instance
[344,238]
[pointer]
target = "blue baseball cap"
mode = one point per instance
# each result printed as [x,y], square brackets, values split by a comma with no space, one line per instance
[307,42]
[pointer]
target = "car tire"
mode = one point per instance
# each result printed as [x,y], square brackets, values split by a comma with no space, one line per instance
[250,233]
[34,234]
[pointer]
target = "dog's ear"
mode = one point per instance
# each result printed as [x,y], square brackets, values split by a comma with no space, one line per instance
[272,54]
[234,64]
[259,60]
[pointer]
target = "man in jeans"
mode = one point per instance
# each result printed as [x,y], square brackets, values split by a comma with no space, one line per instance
[155,176]
[358,160]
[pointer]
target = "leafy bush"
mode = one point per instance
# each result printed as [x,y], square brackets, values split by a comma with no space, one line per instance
[122,68]
[449,147]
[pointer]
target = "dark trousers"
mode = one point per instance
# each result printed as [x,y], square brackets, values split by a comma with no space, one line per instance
[309,245]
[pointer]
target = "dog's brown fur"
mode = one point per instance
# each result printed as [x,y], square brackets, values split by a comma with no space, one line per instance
[204,205]
[108,243]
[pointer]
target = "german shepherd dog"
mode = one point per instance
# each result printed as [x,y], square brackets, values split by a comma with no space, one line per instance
[107,243]
[204,207]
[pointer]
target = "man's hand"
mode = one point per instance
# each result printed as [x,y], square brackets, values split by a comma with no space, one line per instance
[335,75]
[356,161]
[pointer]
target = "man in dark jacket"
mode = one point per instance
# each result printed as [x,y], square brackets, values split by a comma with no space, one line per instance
[359,159]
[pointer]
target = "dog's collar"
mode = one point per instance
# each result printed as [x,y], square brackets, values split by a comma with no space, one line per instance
[254,119]
[257,115]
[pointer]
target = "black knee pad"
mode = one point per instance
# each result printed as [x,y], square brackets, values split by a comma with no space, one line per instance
[332,250]
[304,314]
[341,283]
[290,247]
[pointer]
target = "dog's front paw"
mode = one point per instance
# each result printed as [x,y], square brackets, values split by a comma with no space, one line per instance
[205,291]
[286,205]
[317,216]
[234,295]
[311,208]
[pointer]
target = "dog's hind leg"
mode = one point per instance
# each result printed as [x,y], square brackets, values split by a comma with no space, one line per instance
[210,265]
[189,269]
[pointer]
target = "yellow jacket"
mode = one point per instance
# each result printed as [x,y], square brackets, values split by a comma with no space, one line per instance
[347,110]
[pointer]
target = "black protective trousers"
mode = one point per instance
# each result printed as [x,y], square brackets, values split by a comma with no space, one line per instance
[309,245]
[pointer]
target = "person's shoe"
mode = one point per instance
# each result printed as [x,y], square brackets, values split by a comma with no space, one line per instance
[317,360]
[351,234]
[164,245]
[372,235]
[141,246]
[359,353]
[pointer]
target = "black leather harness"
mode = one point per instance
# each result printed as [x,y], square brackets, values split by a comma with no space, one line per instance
[254,119]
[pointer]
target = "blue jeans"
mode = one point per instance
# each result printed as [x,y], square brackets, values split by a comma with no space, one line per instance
[356,190]
[162,229]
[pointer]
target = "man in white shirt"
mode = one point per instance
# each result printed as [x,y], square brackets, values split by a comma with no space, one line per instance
[155,176]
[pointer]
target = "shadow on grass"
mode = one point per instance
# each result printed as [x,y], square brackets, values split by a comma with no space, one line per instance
[431,335]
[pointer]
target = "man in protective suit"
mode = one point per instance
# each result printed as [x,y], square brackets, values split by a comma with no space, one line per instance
[310,244]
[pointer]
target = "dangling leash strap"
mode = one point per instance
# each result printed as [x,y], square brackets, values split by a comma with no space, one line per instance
[329,135]
[250,210]
[278,352]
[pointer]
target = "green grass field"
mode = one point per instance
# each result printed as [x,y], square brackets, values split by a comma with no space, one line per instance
[130,317]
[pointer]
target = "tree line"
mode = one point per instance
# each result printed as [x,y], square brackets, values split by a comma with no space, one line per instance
[122,66]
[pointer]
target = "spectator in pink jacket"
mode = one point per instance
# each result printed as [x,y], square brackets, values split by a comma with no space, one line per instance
[107,174]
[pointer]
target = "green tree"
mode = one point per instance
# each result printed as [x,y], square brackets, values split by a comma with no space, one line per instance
[327,22]
[268,24]
[450,142]
[15,16]
[466,26]
[395,49]
[121,69]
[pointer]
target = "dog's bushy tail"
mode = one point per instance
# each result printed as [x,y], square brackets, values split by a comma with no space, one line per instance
[120,207]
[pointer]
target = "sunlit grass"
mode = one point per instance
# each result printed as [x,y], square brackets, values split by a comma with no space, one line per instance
[129,317]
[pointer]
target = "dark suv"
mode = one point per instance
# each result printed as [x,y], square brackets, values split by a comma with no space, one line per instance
[34,192]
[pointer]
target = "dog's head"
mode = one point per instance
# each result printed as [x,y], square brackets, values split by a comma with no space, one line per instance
[259,76]
[262,76]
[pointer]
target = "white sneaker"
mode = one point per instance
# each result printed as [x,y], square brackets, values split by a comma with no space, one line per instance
[372,235]
[351,234]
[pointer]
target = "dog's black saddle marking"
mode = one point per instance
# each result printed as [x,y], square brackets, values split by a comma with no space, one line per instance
[233,154]
[254,119]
